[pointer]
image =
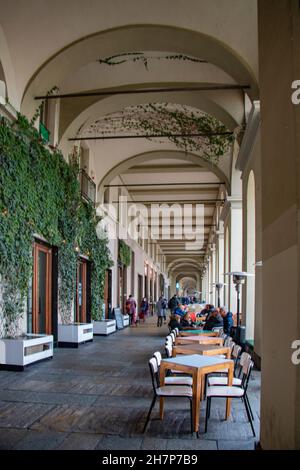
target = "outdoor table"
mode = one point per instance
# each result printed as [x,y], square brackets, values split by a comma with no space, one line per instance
[197,332]
[204,349]
[197,366]
[200,339]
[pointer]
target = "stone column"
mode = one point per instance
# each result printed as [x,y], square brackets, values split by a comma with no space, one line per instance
[232,215]
[279,66]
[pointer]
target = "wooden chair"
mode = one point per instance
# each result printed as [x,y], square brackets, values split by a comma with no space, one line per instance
[166,391]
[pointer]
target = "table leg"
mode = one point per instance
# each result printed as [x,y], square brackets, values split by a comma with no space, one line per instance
[197,380]
[174,352]
[162,374]
[228,401]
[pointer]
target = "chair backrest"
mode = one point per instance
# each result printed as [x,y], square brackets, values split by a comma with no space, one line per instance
[228,341]
[218,329]
[169,338]
[244,359]
[158,357]
[168,349]
[247,368]
[154,373]
[174,332]
[177,330]
[236,351]
[173,336]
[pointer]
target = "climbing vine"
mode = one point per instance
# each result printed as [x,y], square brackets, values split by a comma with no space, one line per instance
[189,129]
[142,57]
[124,253]
[40,193]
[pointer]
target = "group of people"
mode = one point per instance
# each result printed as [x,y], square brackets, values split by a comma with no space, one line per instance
[136,315]
[214,317]
[180,318]
[131,310]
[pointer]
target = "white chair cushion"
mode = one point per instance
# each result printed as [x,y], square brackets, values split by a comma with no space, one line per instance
[176,391]
[179,381]
[224,392]
[223,381]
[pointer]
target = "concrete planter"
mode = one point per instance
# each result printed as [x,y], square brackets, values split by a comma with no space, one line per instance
[104,327]
[17,353]
[71,336]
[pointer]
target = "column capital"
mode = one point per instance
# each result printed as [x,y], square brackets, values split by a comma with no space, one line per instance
[232,202]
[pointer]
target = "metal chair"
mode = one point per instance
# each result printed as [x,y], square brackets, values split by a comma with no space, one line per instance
[167,391]
[230,391]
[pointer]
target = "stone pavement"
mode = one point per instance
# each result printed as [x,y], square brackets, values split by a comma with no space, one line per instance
[98,396]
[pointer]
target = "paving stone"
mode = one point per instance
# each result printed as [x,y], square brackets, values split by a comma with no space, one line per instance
[21,415]
[40,441]
[119,443]
[192,444]
[47,398]
[78,441]
[152,443]
[10,437]
[238,444]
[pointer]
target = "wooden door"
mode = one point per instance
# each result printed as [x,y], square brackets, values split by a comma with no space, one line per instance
[107,293]
[81,292]
[42,289]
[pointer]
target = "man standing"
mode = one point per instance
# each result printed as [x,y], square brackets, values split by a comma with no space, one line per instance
[159,311]
[173,303]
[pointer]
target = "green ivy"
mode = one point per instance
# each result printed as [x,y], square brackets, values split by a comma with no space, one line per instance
[124,253]
[40,193]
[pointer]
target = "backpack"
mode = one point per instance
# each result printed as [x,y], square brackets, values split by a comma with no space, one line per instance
[164,303]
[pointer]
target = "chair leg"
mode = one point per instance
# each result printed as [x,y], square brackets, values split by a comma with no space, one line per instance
[249,416]
[191,414]
[149,413]
[207,412]
[249,407]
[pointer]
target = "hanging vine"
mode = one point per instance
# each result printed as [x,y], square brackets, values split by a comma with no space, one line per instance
[119,59]
[177,123]
[40,193]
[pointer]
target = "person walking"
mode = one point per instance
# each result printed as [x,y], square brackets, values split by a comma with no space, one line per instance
[132,310]
[164,305]
[160,311]
[144,309]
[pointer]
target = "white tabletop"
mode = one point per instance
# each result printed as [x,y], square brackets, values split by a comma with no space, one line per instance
[197,360]
[199,337]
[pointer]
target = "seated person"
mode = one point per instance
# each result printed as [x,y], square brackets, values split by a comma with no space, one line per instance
[207,310]
[186,321]
[227,319]
[215,320]
[175,322]
[179,310]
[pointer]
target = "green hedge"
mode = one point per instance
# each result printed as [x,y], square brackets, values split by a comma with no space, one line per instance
[40,193]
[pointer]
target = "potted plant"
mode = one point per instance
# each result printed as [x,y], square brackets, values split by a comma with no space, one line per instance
[103,326]
[18,350]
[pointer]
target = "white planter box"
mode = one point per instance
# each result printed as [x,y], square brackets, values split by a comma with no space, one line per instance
[70,336]
[104,327]
[16,353]
[126,320]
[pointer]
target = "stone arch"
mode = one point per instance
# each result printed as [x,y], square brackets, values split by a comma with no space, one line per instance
[135,37]
[156,154]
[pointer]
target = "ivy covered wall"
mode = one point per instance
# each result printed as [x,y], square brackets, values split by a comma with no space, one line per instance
[40,193]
